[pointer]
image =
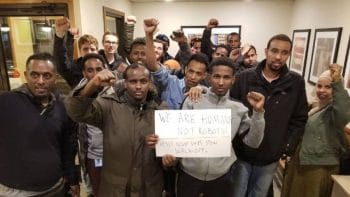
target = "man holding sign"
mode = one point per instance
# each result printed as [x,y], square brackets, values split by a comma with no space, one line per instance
[211,176]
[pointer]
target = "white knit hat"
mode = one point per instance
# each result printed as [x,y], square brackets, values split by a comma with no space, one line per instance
[326,74]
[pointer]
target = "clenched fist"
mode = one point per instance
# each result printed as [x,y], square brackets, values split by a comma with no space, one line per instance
[150,25]
[256,100]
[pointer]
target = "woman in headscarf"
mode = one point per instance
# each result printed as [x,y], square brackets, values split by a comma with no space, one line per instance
[317,157]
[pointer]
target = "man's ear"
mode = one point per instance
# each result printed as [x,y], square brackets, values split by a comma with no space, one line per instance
[84,74]
[25,75]
[124,83]
[205,75]
[233,80]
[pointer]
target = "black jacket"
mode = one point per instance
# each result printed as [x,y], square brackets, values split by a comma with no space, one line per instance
[115,64]
[285,113]
[37,144]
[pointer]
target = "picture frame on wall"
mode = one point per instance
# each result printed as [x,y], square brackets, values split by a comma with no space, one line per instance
[346,69]
[298,58]
[324,52]
[218,34]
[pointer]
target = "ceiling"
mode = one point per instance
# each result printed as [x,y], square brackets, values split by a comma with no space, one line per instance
[149,1]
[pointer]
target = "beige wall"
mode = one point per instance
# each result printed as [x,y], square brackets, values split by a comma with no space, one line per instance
[259,20]
[313,14]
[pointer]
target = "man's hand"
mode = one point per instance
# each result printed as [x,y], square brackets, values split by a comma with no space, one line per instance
[101,79]
[104,78]
[178,36]
[168,160]
[152,140]
[130,20]
[74,190]
[246,47]
[335,72]
[195,94]
[256,100]
[212,23]
[150,26]
[62,26]
[234,54]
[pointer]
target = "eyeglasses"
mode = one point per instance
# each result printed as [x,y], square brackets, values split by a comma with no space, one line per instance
[110,42]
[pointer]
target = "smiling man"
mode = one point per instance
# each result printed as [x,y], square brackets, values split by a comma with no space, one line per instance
[110,42]
[36,136]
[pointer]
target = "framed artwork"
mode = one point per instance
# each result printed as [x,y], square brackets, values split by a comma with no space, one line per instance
[346,71]
[324,52]
[298,56]
[218,34]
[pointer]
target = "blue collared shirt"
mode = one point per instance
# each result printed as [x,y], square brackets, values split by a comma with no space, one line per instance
[172,88]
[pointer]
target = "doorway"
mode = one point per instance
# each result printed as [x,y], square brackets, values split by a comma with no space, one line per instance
[25,29]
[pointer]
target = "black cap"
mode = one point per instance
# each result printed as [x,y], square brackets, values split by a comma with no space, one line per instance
[163,38]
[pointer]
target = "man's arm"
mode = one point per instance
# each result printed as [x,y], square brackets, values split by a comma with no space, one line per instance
[297,121]
[184,53]
[206,45]
[82,105]
[252,129]
[150,26]
[63,50]
[160,74]
[69,146]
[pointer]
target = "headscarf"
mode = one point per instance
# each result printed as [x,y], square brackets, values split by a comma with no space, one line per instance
[316,105]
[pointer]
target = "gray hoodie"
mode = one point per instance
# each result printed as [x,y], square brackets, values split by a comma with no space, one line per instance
[207,169]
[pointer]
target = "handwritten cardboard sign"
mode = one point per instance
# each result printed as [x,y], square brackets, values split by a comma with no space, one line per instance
[193,133]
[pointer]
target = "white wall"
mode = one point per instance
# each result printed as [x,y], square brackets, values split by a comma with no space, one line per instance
[314,14]
[90,15]
[259,20]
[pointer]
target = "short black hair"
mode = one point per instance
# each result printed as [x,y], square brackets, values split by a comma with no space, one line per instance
[222,61]
[137,41]
[41,56]
[93,56]
[282,37]
[194,40]
[201,58]
[134,66]
[228,48]
[234,34]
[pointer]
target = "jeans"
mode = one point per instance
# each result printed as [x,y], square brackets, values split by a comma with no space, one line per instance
[188,186]
[251,180]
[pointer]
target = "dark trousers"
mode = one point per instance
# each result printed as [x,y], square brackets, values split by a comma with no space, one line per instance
[94,175]
[188,186]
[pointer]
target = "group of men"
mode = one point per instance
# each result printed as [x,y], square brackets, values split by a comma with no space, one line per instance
[113,103]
